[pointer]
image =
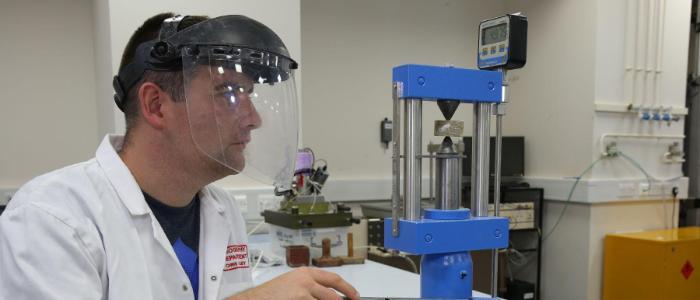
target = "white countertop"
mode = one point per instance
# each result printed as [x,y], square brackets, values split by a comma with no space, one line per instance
[371,279]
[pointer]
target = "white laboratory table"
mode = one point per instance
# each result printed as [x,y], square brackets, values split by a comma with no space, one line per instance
[371,279]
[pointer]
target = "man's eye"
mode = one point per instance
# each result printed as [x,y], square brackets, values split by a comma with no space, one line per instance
[238,89]
[230,98]
[248,89]
[228,94]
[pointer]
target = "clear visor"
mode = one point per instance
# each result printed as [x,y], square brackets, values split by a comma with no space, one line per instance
[242,110]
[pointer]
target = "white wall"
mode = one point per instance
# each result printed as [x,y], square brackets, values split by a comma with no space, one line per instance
[563,120]
[350,48]
[647,45]
[575,58]
[48,114]
[565,261]
[552,107]
[108,116]
[552,97]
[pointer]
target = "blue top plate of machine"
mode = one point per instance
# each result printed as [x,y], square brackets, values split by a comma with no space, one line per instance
[448,83]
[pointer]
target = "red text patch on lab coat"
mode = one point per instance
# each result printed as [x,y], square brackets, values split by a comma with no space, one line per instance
[236,257]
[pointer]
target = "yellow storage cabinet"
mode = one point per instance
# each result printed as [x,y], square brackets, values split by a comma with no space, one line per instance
[660,264]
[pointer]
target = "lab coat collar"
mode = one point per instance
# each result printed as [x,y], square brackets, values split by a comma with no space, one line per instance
[119,175]
[206,197]
[124,183]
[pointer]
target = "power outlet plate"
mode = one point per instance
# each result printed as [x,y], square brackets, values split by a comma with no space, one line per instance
[628,190]
[645,189]
[655,189]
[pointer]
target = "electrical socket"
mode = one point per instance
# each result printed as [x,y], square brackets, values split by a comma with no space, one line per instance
[627,189]
[644,189]
[655,189]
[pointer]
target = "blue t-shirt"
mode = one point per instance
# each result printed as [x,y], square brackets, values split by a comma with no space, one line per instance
[181,226]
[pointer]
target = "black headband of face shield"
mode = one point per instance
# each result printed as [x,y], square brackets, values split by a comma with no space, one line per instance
[152,55]
[130,74]
[251,42]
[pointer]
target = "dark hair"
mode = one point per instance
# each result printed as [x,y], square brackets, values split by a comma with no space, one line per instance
[171,82]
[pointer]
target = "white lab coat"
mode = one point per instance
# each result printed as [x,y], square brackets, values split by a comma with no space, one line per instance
[85,232]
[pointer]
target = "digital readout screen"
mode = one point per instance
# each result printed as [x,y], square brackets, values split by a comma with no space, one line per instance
[494,34]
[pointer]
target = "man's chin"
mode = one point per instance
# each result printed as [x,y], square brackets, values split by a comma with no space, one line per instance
[223,170]
[235,158]
[235,166]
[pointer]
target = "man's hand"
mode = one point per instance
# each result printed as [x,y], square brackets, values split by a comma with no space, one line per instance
[302,283]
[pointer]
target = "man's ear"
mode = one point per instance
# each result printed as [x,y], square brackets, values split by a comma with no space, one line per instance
[151,99]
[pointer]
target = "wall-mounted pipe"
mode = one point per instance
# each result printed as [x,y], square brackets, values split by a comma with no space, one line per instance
[674,113]
[659,48]
[603,137]
[644,38]
[640,63]
[650,55]
[631,49]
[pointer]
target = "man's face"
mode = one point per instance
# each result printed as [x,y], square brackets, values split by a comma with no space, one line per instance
[221,114]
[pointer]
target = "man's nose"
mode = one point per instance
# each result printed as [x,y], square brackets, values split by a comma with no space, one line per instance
[252,119]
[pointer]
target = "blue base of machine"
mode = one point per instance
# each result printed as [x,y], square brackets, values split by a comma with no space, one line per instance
[448,83]
[444,238]
[446,275]
[428,236]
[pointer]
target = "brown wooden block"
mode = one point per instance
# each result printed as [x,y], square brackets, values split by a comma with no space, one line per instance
[297,255]
[351,259]
[326,260]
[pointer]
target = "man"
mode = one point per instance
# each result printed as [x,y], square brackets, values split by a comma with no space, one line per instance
[203,99]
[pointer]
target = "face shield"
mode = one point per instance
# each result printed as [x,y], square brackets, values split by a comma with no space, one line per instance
[242,110]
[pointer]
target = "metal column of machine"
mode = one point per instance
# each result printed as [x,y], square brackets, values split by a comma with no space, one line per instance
[412,159]
[445,235]
[480,160]
[499,111]
[502,47]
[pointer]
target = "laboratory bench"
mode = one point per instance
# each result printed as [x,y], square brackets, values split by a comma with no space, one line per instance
[371,279]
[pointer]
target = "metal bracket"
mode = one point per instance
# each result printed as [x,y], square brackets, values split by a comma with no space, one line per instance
[499,109]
